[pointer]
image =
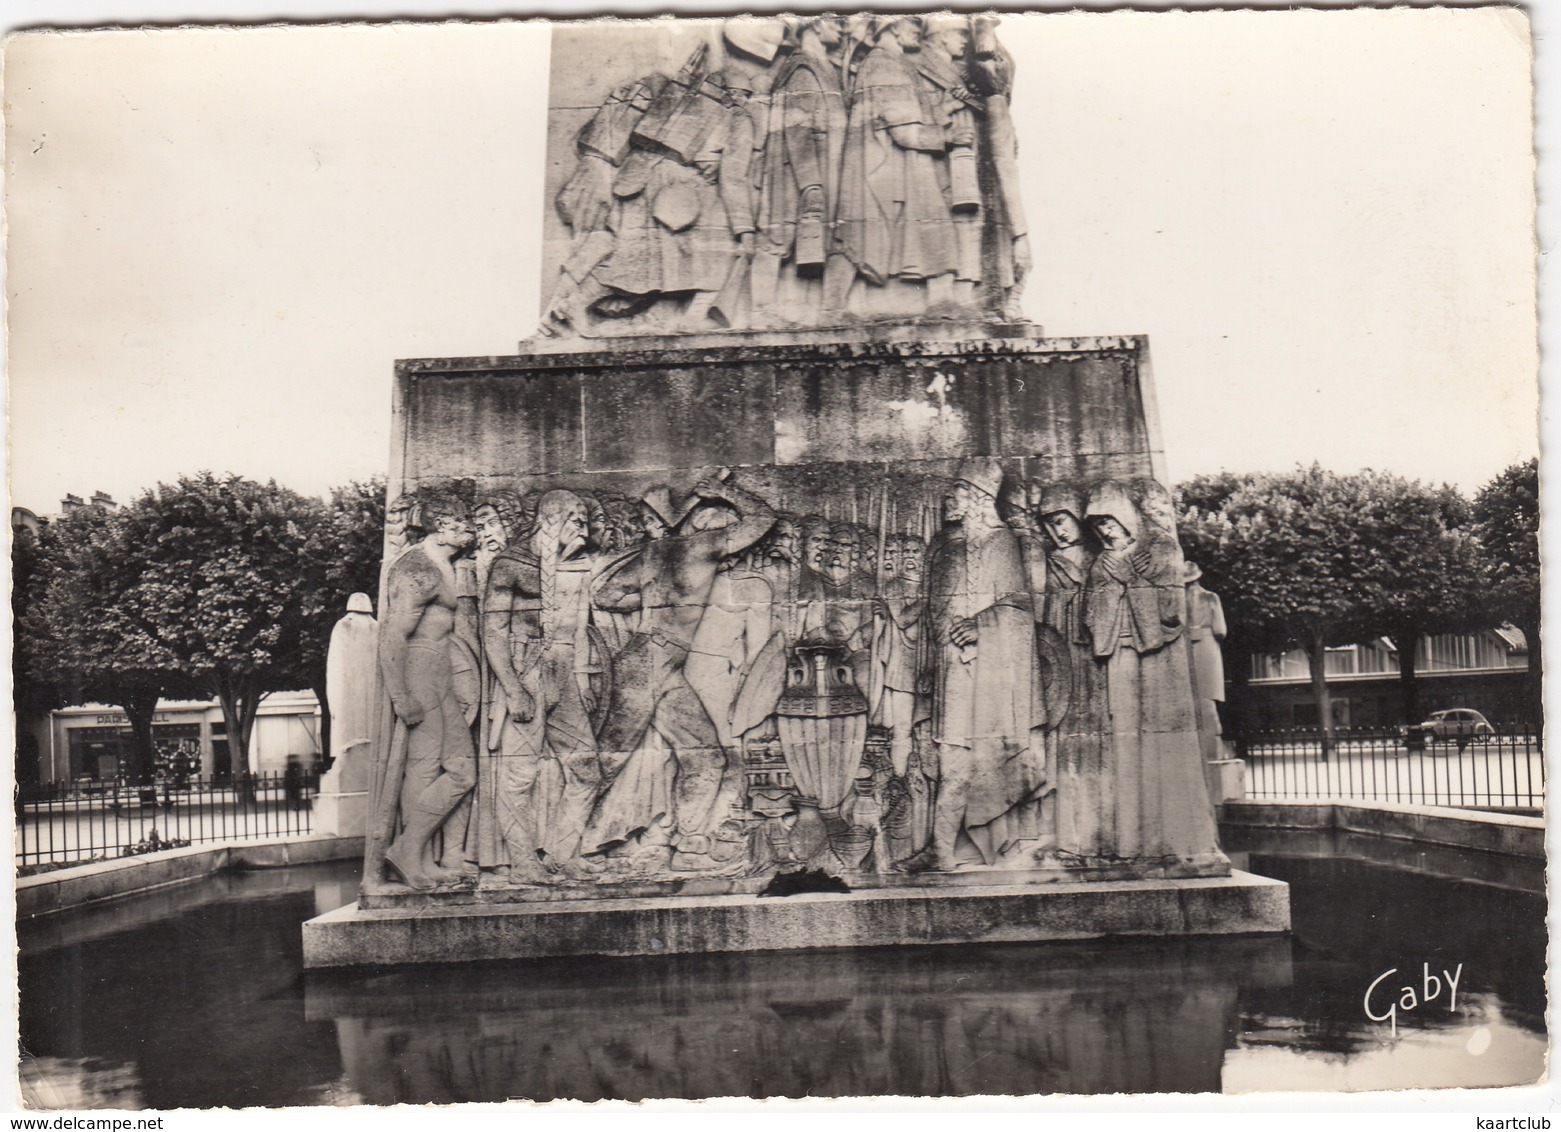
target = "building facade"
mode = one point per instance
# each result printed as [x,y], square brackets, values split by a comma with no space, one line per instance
[92,741]
[1485,671]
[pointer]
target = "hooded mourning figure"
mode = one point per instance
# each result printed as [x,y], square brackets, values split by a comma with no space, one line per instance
[1135,613]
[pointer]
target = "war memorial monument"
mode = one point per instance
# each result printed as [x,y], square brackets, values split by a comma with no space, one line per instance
[787,589]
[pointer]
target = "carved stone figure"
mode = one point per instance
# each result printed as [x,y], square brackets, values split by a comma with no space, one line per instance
[1205,631]
[940,57]
[895,222]
[349,680]
[662,204]
[403,524]
[901,679]
[1135,612]
[800,182]
[799,172]
[989,772]
[991,73]
[548,669]
[432,765]
[350,661]
[669,583]
[1080,764]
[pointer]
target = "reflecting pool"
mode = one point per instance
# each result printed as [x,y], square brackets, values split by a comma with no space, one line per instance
[194,997]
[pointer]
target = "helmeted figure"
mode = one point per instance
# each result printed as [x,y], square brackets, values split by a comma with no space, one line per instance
[799,181]
[661,204]
[901,674]
[1136,615]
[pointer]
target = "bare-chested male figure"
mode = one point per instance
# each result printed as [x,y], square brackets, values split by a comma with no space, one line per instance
[415,652]
[670,585]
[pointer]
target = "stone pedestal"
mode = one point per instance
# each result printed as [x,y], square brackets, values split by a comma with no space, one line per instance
[748,604]
[976,913]
[1227,780]
[339,812]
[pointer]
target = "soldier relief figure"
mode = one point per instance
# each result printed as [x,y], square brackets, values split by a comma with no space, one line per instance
[799,173]
[970,673]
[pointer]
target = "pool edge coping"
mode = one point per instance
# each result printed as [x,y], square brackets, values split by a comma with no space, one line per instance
[1512,835]
[98,881]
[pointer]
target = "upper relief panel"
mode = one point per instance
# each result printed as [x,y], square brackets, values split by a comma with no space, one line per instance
[779,173]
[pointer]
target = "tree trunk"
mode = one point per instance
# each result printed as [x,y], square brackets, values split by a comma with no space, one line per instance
[249,707]
[325,723]
[140,708]
[1238,721]
[1408,687]
[238,738]
[1317,661]
[1535,707]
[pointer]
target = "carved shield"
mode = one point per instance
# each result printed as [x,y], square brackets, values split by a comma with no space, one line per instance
[599,661]
[761,686]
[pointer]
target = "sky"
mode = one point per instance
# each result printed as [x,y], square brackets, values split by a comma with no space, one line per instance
[220,240]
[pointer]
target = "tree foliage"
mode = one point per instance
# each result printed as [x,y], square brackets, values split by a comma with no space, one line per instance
[1506,523]
[1506,526]
[222,588]
[86,628]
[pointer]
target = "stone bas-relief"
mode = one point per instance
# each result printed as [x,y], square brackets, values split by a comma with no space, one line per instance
[792,172]
[606,685]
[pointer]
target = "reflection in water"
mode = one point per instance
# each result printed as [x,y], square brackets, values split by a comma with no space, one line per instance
[1068,1018]
[189,997]
[194,997]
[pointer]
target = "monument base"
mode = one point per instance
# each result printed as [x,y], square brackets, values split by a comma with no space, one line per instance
[886,917]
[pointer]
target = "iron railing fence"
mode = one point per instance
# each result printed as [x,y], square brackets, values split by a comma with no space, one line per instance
[84,821]
[1504,771]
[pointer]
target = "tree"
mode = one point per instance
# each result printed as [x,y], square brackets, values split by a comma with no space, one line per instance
[85,631]
[1316,559]
[1506,525]
[344,559]
[222,588]
[1417,570]
[35,685]
[1281,549]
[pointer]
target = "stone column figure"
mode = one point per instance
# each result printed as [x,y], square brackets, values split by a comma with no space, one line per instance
[349,689]
[432,766]
[989,774]
[543,655]
[1136,615]
[669,583]
[1205,630]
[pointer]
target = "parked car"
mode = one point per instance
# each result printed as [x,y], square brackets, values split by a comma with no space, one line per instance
[1454,725]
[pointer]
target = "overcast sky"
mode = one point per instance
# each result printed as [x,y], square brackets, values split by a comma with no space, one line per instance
[221,240]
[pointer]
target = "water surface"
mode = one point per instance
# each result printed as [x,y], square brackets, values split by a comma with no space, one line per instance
[194,997]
